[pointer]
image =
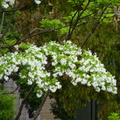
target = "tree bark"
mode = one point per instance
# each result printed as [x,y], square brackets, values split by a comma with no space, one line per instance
[40,106]
[24,100]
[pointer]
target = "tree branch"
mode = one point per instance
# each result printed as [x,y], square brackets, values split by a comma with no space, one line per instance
[7,27]
[12,92]
[2,22]
[94,28]
[73,26]
[41,105]
[24,100]
[32,35]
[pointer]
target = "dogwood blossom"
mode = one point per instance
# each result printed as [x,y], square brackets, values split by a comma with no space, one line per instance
[37,2]
[8,3]
[46,64]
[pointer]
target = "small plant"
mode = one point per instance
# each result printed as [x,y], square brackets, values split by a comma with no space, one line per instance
[7,104]
[114,116]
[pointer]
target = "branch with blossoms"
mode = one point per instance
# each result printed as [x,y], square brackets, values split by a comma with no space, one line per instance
[80,66]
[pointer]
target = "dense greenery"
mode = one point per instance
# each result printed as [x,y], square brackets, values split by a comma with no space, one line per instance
[114,116]
[7,106]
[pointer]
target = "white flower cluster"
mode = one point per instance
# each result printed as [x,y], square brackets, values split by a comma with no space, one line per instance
[44,65]
[7,3]
[37,1]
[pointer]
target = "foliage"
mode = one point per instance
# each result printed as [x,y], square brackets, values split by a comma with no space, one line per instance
[55,24]
[114,116]
[57,108]
[7,106]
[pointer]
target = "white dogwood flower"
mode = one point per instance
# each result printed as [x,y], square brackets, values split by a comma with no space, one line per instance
[7,3]
[44,65]
[37,1]
[6,78]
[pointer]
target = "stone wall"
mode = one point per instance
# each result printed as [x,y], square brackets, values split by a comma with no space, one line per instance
[45,112]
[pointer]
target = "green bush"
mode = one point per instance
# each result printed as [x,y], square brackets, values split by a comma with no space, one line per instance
[114,116]
[7,106]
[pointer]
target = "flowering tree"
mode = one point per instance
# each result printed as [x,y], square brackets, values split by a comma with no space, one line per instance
[45,64]
[43,67]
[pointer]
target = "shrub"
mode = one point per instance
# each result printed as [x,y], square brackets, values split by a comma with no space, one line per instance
[114,116]
[7,105]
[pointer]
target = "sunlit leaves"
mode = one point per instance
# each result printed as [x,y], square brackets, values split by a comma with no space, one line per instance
[55,24]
